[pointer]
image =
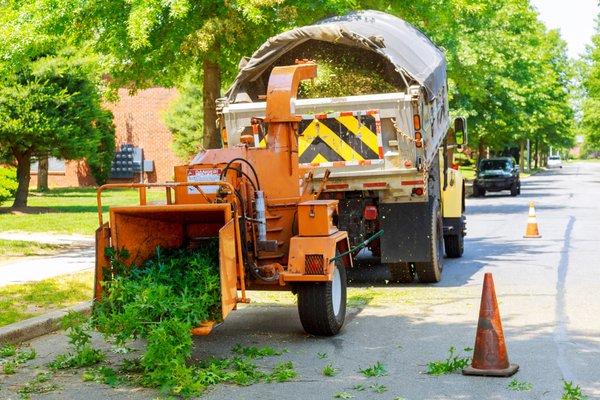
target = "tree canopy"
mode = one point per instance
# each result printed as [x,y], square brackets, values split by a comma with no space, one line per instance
[159,42]
[591,85]
[507,72]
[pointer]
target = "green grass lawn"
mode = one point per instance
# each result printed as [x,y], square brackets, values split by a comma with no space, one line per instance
[22,301]
[13,248]
[68,210]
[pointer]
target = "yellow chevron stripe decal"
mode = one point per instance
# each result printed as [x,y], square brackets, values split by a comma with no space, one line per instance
[361,131]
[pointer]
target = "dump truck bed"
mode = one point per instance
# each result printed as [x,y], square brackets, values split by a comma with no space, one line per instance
[346,128]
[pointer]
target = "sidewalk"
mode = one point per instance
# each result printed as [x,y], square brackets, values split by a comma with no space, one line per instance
[77,258]
[51,238]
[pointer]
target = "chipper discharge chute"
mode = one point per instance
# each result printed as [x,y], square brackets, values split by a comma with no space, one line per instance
[273,234]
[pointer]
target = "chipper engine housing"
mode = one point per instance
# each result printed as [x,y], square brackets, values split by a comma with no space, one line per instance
[273,233]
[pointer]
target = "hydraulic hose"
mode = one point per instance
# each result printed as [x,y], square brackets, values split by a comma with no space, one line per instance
[358,247]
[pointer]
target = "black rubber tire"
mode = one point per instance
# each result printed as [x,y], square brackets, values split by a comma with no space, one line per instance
[514,190]
[315,306]
[431,271]
[478,192]
[454,245]
[401,272]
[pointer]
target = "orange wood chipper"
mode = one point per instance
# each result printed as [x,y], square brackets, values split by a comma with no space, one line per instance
[273,233]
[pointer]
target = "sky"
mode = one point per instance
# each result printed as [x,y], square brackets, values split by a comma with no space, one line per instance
[574,18]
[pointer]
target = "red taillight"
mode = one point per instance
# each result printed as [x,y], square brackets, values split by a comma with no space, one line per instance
[370,213]
[418,139]
[418,191]
[417,122]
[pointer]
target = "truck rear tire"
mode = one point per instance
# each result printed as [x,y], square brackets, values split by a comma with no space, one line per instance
[431,271]
[322,305]
[401,272]
[454,245]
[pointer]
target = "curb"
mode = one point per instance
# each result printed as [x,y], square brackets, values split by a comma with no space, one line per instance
[31,328]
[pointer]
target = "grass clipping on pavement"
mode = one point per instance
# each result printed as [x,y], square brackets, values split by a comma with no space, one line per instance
[161,301]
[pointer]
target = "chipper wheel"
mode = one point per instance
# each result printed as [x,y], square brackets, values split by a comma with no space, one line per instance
[401,272]
[431,271]
[322,306]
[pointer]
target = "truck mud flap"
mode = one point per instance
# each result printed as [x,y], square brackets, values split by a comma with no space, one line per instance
[407,232]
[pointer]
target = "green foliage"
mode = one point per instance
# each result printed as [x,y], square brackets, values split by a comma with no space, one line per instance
[591,85]
[78,330]
[377,369]
[11,358]
[572,392]
[161,300]
[282,372]
[7,351]
[38,385]
[378,388]
[256,352]
[9,368]
[519,386]
[184,120]
[329,370]
[449,365]
[347,75]
[178,285]
[359,387]
[343,395]
[52,106]
[322,355]
[103,374]
[100,158]
[8,183]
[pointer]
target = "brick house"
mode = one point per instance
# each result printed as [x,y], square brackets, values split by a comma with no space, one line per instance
[138,121]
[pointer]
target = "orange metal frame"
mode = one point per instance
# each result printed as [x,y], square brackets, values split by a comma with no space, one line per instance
[103,234]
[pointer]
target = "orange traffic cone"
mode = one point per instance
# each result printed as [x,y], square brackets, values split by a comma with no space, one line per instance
[532,230]
[490,357]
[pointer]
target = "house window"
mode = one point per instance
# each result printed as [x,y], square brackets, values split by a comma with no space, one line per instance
[54,165]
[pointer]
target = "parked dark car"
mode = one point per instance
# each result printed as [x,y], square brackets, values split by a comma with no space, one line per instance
[496,174]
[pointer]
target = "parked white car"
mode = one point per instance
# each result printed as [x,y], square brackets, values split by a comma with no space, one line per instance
[554,162]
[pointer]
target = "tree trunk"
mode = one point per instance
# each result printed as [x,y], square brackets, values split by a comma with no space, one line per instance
[211,91]
[536,157]
[480,150]
[522,155]
[42,175]
[23,177]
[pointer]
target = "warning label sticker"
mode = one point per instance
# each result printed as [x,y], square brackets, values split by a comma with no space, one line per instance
[204,175]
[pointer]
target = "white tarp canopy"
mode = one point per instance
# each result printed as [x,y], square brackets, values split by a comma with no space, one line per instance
[412,54]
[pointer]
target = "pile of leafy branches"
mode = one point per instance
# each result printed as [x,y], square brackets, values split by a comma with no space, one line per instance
[161,301]
[337,78]
[344,71]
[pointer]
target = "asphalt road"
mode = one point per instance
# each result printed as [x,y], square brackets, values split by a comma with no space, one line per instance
[548,290]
